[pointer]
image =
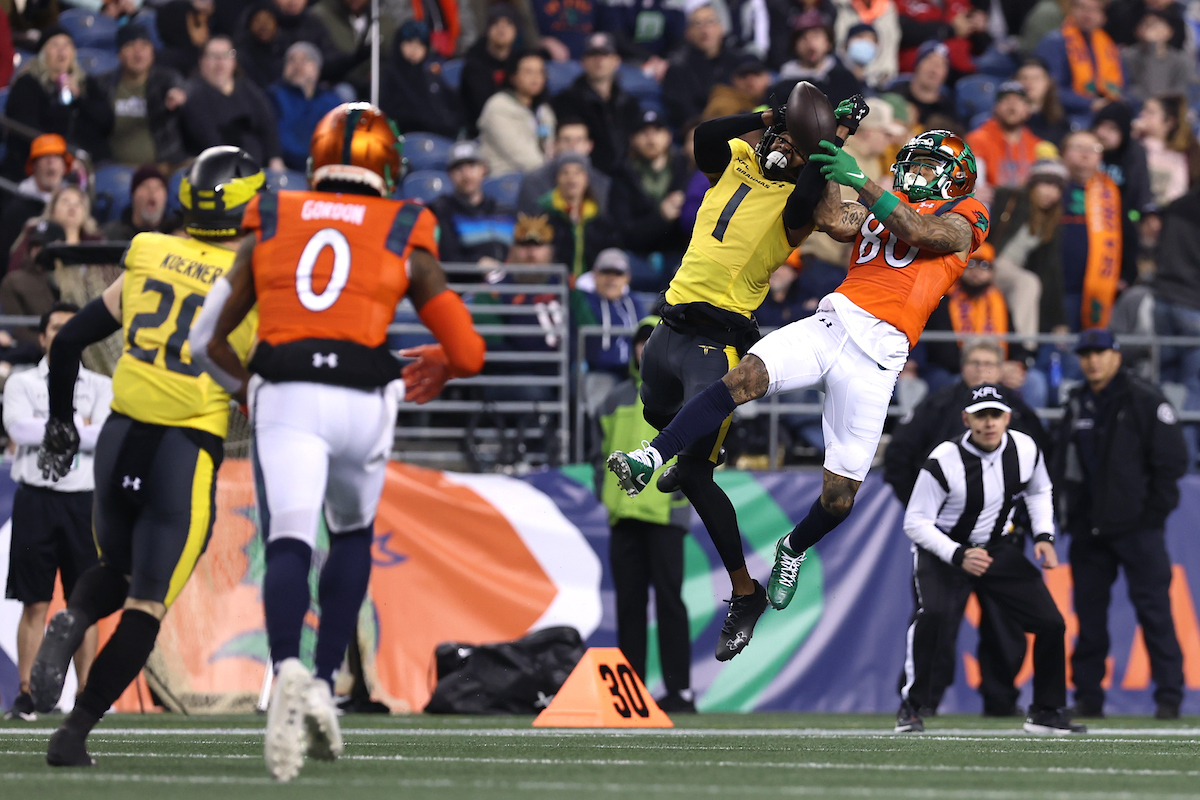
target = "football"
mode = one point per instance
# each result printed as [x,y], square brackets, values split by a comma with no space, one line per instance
[809,118]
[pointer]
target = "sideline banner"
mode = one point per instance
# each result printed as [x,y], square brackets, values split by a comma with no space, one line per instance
[484,558]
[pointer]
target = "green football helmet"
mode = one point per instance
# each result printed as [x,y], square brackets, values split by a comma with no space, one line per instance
[947,154]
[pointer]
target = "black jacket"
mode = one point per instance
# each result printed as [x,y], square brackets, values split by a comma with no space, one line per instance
[936,419]
[244,119]
[1177,278]
[1010,211]
[482,76]
[609,122]
[643,227]
[690,79]
[416,98]
[1139,458]
[163,123]
[85,123]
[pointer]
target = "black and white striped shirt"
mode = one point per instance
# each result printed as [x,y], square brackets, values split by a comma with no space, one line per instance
[965,496]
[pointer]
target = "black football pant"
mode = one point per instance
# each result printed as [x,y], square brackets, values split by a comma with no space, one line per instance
[1014,587]
[1094,562]
[644,554]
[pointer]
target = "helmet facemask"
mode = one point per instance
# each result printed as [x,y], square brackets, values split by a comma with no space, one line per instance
[947,161]
[774,163]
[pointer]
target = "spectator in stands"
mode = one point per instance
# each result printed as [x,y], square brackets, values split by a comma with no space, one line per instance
[1091,234]
[1152,66]
[699,65]
[1125,163]
[814,61]
[565,27]
[300,103]
[609,304]
[581,228]
[927,89]
[27,20]
[647,195]
[597,99]
[571,137]
[859,53]
[346,24]
[1027,237]
[785,17]
[223,108]
[1082,59]
[975,307]
[1172,154]
[747,89]
[296,24]
[750,27]
[1003,145]
[952,22]
[54,95]
[147,209]
[412,93]
[516,127]
[261,44]
[646,32]
[476,22]
[184,30]
[1124,16]
[1045,16]
[489,60]
[46,167]
[28,290]
[472,225]
[786,300]
[146,100]
[1048,120]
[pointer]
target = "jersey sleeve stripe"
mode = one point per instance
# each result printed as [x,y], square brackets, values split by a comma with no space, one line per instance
[945,207]
[402,227]
[268,214]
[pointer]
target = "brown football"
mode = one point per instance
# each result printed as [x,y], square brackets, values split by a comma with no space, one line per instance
[809,118]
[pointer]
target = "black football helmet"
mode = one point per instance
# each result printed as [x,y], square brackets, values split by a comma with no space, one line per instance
[216,189]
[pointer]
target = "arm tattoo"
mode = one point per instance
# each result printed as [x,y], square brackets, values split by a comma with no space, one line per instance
[947,234]
[837,493]
[748,380]
[838,219]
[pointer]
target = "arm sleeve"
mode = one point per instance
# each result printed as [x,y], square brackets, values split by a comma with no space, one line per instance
[1039,498]
[927,497]
[202,333]
[810,186]
[711,139]
[92,324]
[20,418]
[450,322]
[975,213]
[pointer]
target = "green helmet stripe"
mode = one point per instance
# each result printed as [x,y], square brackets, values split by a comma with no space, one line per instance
[352,118]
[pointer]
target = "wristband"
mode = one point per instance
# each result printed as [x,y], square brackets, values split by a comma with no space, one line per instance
[957,558]
[1044,537]
[884,206]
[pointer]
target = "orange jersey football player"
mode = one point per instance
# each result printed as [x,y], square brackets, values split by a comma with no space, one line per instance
[910,246]
[327,268]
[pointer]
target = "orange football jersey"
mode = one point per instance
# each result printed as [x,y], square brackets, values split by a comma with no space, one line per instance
[333,266]
[899,283]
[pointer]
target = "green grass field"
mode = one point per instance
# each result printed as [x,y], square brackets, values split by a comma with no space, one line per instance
[709,755]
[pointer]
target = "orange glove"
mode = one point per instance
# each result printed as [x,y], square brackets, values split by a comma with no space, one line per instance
[425,377]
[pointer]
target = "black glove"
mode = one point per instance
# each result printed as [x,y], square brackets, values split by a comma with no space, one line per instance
[778,112]
[59,446]
[851,111]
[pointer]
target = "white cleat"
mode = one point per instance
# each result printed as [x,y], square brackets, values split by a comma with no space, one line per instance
[321,722]
[286,740]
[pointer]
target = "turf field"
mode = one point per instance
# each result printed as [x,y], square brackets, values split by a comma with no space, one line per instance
[709,755]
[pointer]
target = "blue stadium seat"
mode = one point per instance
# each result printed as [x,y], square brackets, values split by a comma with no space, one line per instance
[173,188]
[561,74]
[3,99]
[89,29]
[290,179]
[638,84]
[96,61]
[979,119]
[504,189]
[452,73]
[426,151]
[112,192]
[425,185]
[975,94]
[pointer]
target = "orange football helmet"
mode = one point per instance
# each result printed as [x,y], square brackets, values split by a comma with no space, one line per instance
[356,142]
[953,164]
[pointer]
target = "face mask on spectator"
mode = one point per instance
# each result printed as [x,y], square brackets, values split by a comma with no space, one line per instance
[861,51]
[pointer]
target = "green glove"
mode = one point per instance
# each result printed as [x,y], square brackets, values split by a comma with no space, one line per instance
[839,166]
[851,111]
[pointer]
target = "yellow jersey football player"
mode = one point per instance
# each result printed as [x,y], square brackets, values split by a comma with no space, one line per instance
[157,456]
[758,210]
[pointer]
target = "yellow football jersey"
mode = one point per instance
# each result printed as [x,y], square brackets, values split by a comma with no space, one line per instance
[738,241]
[166,281]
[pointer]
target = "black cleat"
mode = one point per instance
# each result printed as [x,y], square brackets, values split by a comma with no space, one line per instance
[64,634]
[678,703]
[743,614]
[908,720]
[22,709]
[68,749]
[668,480]
[1163,711]
[1051,722]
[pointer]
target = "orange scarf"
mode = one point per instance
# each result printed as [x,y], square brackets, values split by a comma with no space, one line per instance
[1102,210]
[445,40]
[869,10]
[1095,70]
[984,314]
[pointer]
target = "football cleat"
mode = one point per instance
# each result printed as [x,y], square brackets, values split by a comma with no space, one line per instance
[286,739]
[785,574]
[908,720]
[22,709]
[321,723]
[68,748]
[1051,722]
[63,636]
[633,469]
[743,614]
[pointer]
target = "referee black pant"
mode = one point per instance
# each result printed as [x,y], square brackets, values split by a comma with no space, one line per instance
[644,554]
[1013,587]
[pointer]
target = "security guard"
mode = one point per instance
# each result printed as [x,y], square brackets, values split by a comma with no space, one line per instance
[157,456]
[1119,456]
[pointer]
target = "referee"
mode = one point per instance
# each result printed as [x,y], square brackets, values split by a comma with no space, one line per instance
[51,522]
[958,517]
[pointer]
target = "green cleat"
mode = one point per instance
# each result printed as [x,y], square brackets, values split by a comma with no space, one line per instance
[781,588]
[633,470]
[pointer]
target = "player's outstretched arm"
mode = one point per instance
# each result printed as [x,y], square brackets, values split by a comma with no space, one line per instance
[839,219]
[443,312]
[949,233]
[227,304]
